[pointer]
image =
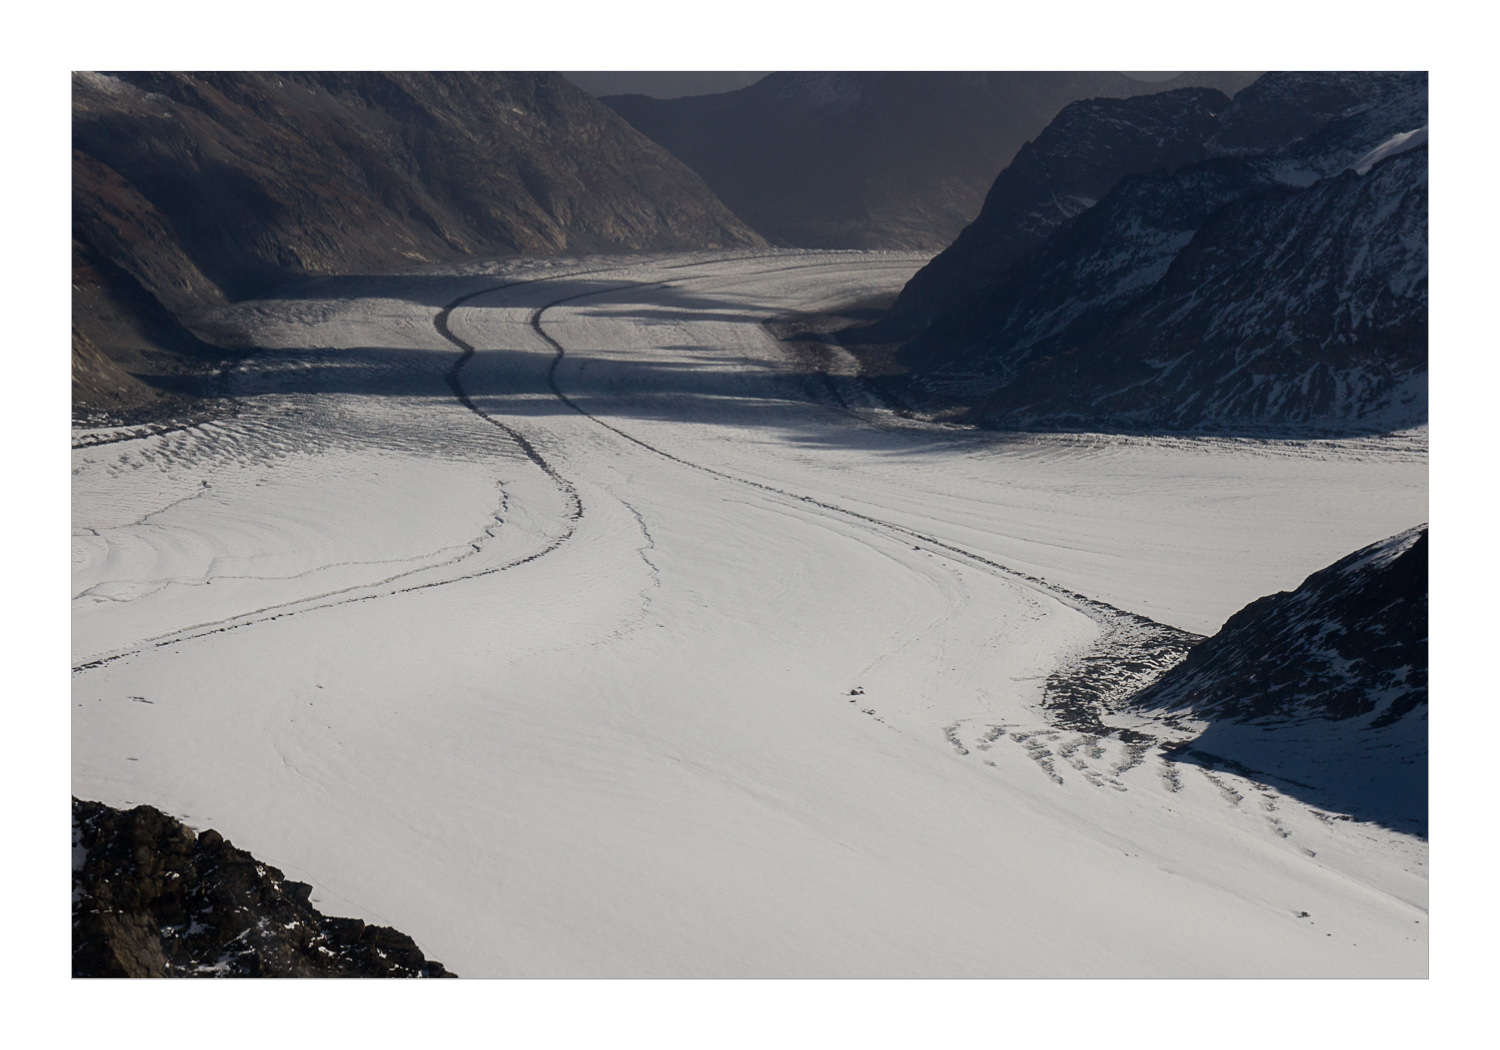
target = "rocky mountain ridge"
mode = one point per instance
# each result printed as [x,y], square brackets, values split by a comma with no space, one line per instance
[1253,287]
[1075,161]
[1307,308]
[193,188]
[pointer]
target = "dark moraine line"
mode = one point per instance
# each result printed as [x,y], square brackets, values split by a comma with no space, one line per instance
[298,606]
[301,605]
[559,353]
[440,322]
[1131,651]
[455,383]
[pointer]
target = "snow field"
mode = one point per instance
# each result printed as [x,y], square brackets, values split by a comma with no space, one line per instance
[636,754]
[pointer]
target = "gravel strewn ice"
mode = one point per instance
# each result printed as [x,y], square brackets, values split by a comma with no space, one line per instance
[359,630]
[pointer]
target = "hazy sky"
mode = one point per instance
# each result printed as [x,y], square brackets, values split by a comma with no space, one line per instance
[674,85]
[661,85]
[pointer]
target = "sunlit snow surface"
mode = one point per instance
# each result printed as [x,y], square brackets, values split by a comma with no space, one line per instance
[1389,148]
[600,721]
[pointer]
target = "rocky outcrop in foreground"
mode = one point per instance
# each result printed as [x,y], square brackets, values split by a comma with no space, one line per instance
[151,898]
[1323,689]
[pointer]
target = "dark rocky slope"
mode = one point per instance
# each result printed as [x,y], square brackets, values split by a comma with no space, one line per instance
[190,188]
[1066,170]
[1282,109]
[1264,285]
[1303,307]
[1322,689]
[153,899]
[870,160]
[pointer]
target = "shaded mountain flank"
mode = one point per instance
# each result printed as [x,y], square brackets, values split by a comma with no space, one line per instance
[1184,261]
[870,160]
[191,189]
[1322,690]
[151,898]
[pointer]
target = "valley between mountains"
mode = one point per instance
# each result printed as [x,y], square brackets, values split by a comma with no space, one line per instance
[551,612]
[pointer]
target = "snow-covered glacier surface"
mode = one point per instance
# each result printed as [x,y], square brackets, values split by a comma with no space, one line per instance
[652,659]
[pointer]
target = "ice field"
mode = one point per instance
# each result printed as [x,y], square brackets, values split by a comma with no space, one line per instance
[548,613]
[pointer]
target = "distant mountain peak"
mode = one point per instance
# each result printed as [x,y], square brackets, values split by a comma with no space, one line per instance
[898,159]
[827,91]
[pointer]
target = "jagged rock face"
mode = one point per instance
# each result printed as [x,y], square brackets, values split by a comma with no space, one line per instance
[870,160]
[1324,686]
[1308,308]
[153,899]
[1070,166]
[1079,281]
[188,188]
[1282,108]
[1248,290]
[1350,642]
[1389,104]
